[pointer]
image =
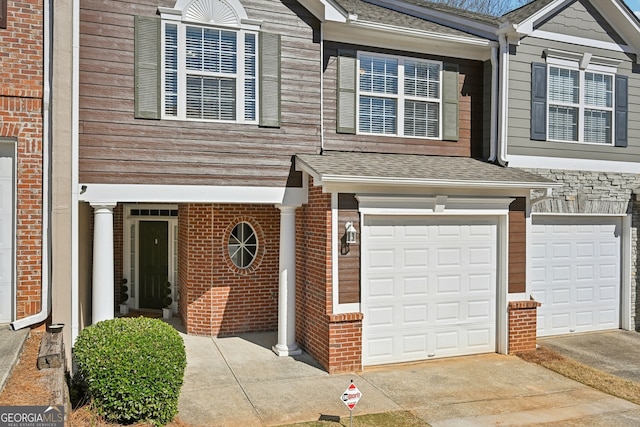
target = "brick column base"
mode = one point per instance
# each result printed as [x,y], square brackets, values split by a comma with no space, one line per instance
[522,325]
[345,343]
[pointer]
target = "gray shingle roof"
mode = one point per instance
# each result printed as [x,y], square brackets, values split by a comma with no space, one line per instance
[359,167]
[463,13]
[525,11]
[373,13]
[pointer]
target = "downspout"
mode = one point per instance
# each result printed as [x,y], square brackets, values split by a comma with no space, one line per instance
[321,87]
[75,124]
[493,149]
[503,113]
[45,277]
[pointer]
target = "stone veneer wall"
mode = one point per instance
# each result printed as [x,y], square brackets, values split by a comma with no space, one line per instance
[599,193]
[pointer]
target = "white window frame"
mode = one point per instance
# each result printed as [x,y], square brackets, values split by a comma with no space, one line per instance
[182,72]
[400,97]
[581,105]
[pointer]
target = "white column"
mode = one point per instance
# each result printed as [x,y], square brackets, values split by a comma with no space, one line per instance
[287,345]
[102,300]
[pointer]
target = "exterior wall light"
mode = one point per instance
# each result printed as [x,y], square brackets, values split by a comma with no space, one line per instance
[350,232]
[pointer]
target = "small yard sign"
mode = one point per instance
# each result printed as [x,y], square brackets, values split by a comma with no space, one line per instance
[351,396]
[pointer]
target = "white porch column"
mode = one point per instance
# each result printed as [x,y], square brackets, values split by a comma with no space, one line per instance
[287,345]
[102,300]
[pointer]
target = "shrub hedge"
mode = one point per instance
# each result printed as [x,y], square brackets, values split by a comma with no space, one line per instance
[132,369]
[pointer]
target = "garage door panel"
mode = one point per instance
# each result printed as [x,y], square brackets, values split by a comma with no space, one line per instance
[444,283]
[577,276]
[415,315]
[7,233]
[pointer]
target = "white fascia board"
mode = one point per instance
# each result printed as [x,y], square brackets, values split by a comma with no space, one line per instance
[325,10]
[432,183]
[622,20]
[132,193]
[538,162]
[453,21]
[410,40]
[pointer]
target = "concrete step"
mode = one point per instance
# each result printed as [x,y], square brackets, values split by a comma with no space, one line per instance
[11,344]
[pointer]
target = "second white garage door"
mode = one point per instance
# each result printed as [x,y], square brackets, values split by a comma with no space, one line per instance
[575,273]
[429,287]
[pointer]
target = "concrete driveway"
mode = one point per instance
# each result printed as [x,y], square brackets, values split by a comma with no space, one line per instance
[239,381]
[616,352]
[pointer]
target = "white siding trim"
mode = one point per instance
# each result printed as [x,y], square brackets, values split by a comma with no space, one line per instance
[191,194]
[538,162]
[581,41]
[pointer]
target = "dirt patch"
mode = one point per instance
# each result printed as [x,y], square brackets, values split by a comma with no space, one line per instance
[584,374]
[26,385]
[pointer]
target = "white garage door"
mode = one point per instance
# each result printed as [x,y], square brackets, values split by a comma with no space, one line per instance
[575,273]
[6,231]
[429,288]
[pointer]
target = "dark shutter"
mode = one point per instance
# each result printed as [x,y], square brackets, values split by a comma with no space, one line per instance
[538,101]
[269,79]
[147,67]
[3,13]
[346,92]
[450,99]
[622,116]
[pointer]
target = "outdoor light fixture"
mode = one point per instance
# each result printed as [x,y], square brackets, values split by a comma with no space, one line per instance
[350,232]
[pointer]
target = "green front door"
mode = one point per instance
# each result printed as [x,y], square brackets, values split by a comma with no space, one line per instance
[153,262]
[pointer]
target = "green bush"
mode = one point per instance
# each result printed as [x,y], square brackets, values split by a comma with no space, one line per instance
[132,369]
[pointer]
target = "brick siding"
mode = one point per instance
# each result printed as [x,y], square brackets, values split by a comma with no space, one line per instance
[217,298]
[21,74]
[335,341]
[522,326]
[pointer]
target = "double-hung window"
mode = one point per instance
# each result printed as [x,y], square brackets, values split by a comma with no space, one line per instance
[209,73]
[206,60]
[580,105]
[579,98]
[399,96]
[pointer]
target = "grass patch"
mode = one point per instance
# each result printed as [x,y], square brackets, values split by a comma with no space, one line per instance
[385,419]
[584,374]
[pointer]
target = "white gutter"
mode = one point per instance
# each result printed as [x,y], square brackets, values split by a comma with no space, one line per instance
[45,276]
[494,105]
[503,108]
[394,181]
[321,87]
[75,100]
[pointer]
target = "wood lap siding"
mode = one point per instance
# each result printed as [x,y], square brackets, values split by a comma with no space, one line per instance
[470,112]
[348,260]
[117,148]
[517,246]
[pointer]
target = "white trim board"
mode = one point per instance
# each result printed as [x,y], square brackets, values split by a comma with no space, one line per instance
[190,194]
[539,162]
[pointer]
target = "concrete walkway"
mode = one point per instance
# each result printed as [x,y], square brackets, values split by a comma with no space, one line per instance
[11,343]
[616,352]
[239,381]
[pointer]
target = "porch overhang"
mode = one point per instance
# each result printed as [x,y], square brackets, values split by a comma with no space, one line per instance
[352,172]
